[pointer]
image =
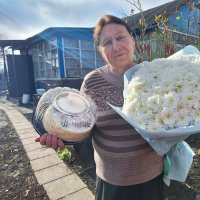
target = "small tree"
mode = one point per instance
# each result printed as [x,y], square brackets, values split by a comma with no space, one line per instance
[163,33]
[142,26]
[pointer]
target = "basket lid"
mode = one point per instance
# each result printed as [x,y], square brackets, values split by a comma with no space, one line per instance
[71,103]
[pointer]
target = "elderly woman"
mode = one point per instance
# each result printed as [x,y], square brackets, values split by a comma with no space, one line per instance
[127,168]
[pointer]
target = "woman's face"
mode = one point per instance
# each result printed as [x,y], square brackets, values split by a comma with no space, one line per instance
[117,46]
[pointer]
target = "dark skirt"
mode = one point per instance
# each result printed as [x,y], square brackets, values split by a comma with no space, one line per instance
[151,190]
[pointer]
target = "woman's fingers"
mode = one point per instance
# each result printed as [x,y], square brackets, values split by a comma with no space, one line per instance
[38,139]
[54,142]
[43,139]
[50,140]
[61,144]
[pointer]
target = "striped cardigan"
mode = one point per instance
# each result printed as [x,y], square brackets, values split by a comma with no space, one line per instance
[122,157]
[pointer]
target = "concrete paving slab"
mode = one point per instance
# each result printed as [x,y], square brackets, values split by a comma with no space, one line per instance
[64,186]
[83,194]
[52,173]
[45,162]
[40,153]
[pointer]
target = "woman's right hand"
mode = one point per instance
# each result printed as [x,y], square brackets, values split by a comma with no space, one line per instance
[50,140]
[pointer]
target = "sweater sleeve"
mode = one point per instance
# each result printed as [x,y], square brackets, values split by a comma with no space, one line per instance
[86,82]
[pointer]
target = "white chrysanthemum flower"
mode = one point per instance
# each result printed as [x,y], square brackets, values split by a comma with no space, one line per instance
[180,106]
[189,99]
[161,121]
[183,119]
[137,86]
[153,101]
[154,127]
[130,108]
[169,116]
[129,98]
[143,111]
[170,99]
[152,118]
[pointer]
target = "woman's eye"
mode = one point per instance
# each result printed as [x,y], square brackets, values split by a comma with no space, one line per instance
[107,43]
[120,37]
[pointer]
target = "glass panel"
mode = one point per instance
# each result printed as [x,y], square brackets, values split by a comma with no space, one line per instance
[41,57]
[53,43]
[34,50]
[42,74]
[88,58]
[35,59]
[54,71]
[48,68]
[72,63]
[71,43]
[36,74]
[54,62]
[71,72]
[87,45]
[46,45]
[54,53]
[72,53]
[40,47]
[36,66]
[47,55]
[42,66]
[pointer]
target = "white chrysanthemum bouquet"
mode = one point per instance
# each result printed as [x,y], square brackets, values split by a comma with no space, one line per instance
[165,94]
[162,102]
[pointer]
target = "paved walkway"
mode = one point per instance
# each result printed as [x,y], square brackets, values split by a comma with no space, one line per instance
[56,178]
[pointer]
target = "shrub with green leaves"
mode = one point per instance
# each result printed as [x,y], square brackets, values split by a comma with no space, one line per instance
[65,155]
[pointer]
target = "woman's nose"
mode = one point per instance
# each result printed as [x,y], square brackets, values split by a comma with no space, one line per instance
[116,45]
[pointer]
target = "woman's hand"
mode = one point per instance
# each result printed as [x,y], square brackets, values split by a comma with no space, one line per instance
[50,140]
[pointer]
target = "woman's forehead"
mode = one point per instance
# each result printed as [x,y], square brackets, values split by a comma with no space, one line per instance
[110,30]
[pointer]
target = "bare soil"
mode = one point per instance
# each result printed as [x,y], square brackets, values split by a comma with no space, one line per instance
[17,178]
[18,181]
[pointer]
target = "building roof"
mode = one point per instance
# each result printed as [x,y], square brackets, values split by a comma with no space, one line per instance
[68,32]
[149,15]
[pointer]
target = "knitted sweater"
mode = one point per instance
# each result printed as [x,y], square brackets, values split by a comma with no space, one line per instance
[122,156]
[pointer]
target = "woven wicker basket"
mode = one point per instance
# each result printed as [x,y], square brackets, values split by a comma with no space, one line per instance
[67,113]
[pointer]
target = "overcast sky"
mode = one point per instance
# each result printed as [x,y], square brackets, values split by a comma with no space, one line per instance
[20,19]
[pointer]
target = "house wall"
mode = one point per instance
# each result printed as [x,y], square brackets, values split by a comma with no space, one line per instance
[187,20]
[159,45]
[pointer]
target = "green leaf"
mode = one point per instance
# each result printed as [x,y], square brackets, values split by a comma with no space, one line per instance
[178,18]
[65,155]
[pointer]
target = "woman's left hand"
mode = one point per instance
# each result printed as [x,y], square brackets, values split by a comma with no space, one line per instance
[50,140]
